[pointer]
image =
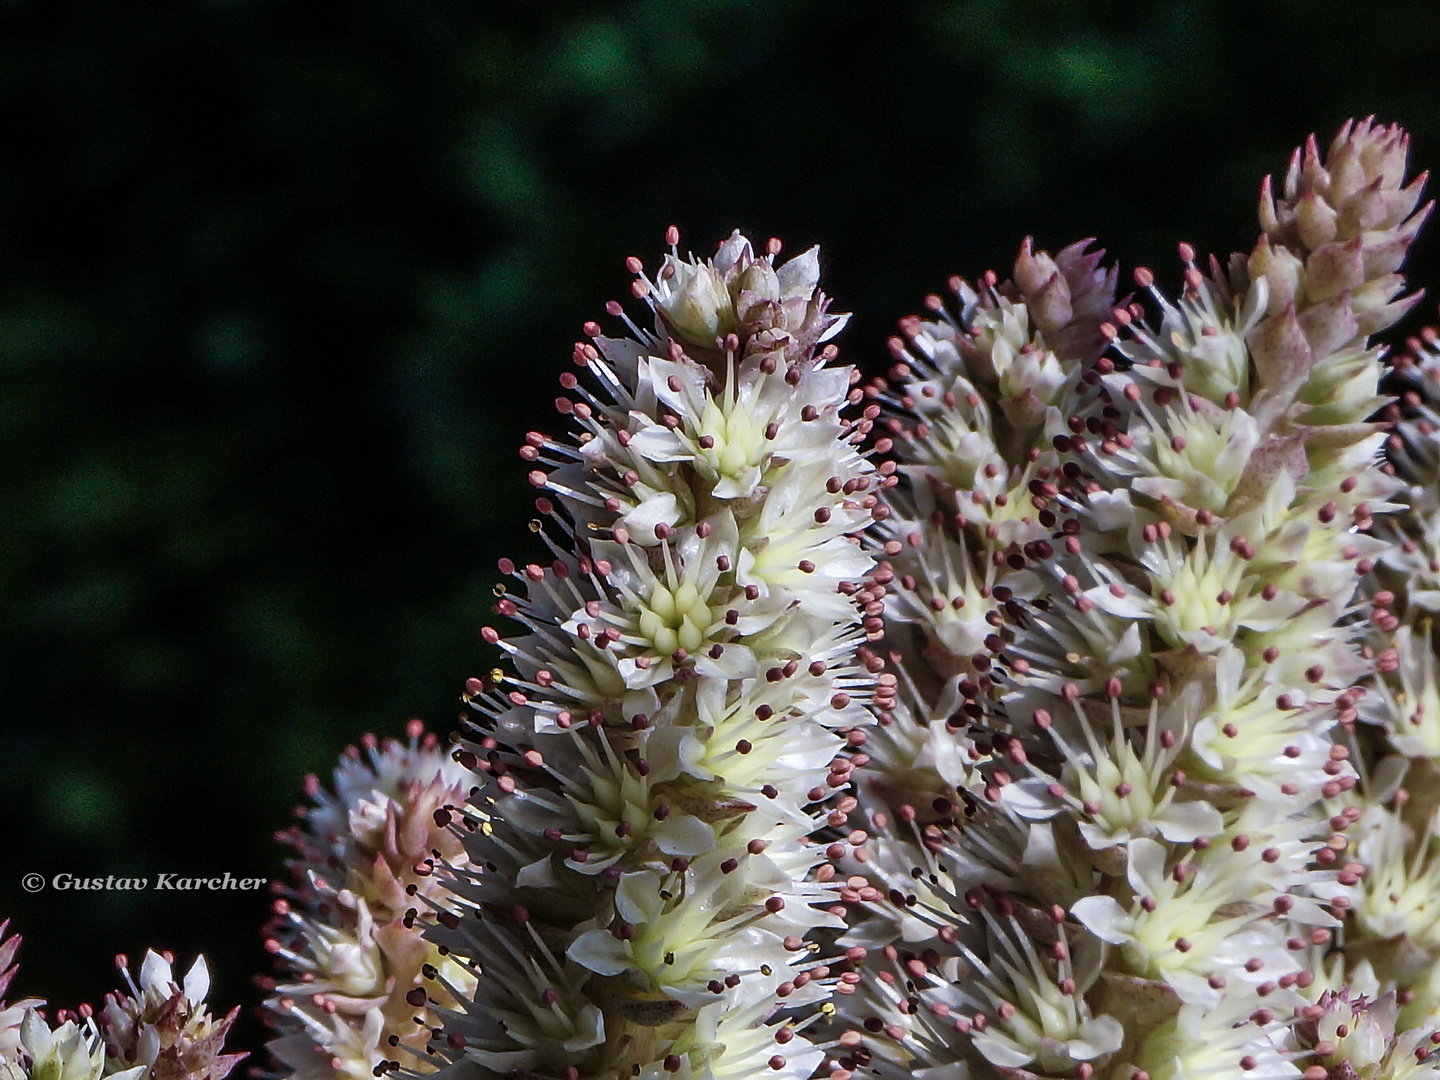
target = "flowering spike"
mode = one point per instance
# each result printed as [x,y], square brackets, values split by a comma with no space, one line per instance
[348,931]
[700,612]
[1144,701]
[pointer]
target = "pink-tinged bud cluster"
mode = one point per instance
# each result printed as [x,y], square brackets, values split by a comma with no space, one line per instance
[1121,816]
[684,702]
[348,933]
[1338,233]
[776,311]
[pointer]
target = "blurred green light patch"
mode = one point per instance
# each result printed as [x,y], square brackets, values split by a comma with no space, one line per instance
[26,336]
[82,803]
[596,56]
[92,495]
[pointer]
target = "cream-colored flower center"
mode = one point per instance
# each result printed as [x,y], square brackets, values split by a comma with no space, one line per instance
[1197,588]
[617,811]
[1398,902]
[957,449]
[736,441]
[1121,792]
[355,967]
[678,619]
[1192,452]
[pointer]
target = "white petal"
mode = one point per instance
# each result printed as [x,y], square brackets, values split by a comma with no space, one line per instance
[1104,917]
[800,275]
[600,951]
[591,1023]
[1193,989]
[1001,1050]
[734,662]
[35,1035]
[692,386]
[1029,798]
[739,486]
[1128,647]
[1100,1035]
[840,321]
[197,982]
[659,509]
[685,835]
[1131,605]
[147,1048]
[155,974]
[655,443]
[1110,510]
[1147,866]
[1098,840]
[1159,487]
[539,874]
[735,247]
[1182,822]
[662,751]
[637,898]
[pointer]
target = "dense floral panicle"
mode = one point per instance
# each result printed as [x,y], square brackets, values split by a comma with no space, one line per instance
[162,1025]
[974,400]
[348,932]
[1211,409]
[683,705]
[1395,932]
[1397,924]
[12,1014]
[688,421]
[972,393]
[1154,765]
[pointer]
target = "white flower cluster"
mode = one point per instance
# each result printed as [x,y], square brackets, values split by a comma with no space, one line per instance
[159,1030]
[1123,819]
[348,933]
[644,894]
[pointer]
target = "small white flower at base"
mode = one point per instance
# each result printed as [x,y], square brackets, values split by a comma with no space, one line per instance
[11,1015]
[163,1026]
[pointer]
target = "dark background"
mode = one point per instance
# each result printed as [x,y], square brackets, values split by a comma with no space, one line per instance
[282,286]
